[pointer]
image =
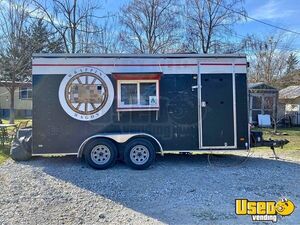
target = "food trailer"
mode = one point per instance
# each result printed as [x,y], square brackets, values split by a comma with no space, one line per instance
[105,107]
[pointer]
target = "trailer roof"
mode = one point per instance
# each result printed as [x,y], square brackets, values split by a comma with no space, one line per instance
[63,55]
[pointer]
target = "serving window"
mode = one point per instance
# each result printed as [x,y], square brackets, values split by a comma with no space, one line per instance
[138,94]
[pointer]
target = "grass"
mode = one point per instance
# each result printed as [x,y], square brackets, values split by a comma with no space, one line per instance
[291,150]
[291,134]
[4,150]
[4,153]
[18,120]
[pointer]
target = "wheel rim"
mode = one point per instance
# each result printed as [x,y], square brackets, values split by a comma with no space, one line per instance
[100,154]
[139,154]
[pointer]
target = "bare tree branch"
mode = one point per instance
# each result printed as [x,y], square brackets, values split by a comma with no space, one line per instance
[208,23]
[73,20]
[149,26]
[268,57]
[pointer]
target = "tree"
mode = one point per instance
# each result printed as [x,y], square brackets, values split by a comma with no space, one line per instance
[209,22]
[292,63]
[267,57]
[149,26]
[107,39]
[104,40]
[74,21]
[42,40]
[14,57]
[21,37]
[293,78]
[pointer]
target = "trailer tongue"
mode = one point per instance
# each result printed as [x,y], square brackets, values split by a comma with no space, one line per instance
[256,140]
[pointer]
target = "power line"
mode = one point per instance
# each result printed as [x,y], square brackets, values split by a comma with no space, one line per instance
[262,42]
[257,20]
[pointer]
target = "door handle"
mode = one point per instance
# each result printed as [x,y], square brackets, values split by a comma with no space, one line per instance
[194,87]
[203,104]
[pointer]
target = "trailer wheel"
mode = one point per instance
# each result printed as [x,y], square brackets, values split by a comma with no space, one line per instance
[139,154]
[101,154]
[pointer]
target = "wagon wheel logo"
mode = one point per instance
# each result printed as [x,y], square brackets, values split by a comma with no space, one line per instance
[86,93]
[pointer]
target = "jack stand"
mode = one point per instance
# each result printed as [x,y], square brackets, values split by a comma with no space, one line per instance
[275,155]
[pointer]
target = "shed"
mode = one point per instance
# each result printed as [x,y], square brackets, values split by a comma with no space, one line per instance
[290,97]
[263,99]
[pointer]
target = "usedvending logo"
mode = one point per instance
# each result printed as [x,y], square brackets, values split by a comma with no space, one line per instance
[86,94]
[264,210]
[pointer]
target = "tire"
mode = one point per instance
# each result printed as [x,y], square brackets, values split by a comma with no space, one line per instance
[139,154]
[101,154]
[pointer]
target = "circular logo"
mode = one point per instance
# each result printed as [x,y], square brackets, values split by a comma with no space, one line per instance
[86,94]
[285,207]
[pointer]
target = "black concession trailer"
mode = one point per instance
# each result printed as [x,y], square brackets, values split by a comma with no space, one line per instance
[104,107]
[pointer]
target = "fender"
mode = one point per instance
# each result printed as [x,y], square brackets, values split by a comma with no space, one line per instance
[119,138]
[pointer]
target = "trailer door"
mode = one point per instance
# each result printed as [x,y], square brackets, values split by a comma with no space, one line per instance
[217,112]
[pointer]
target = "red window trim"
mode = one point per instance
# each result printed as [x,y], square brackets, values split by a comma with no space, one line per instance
[138,76]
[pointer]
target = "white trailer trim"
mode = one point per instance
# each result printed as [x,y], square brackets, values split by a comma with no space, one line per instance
[167,64]
[234,106]
[199,108]
[55,154]
[119,138]
[124,55]
[234,113]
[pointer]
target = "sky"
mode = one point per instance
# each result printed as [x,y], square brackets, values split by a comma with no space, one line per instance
[282,13]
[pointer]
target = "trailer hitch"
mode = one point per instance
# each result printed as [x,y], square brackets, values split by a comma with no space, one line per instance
[258,141]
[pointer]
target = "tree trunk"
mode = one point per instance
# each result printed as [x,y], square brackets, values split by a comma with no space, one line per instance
[275,113]
[12,106]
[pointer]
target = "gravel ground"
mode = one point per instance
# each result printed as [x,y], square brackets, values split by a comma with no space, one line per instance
[177,189]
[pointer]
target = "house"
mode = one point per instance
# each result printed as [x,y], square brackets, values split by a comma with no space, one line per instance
[263,99]
[23,100]
[290,97]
